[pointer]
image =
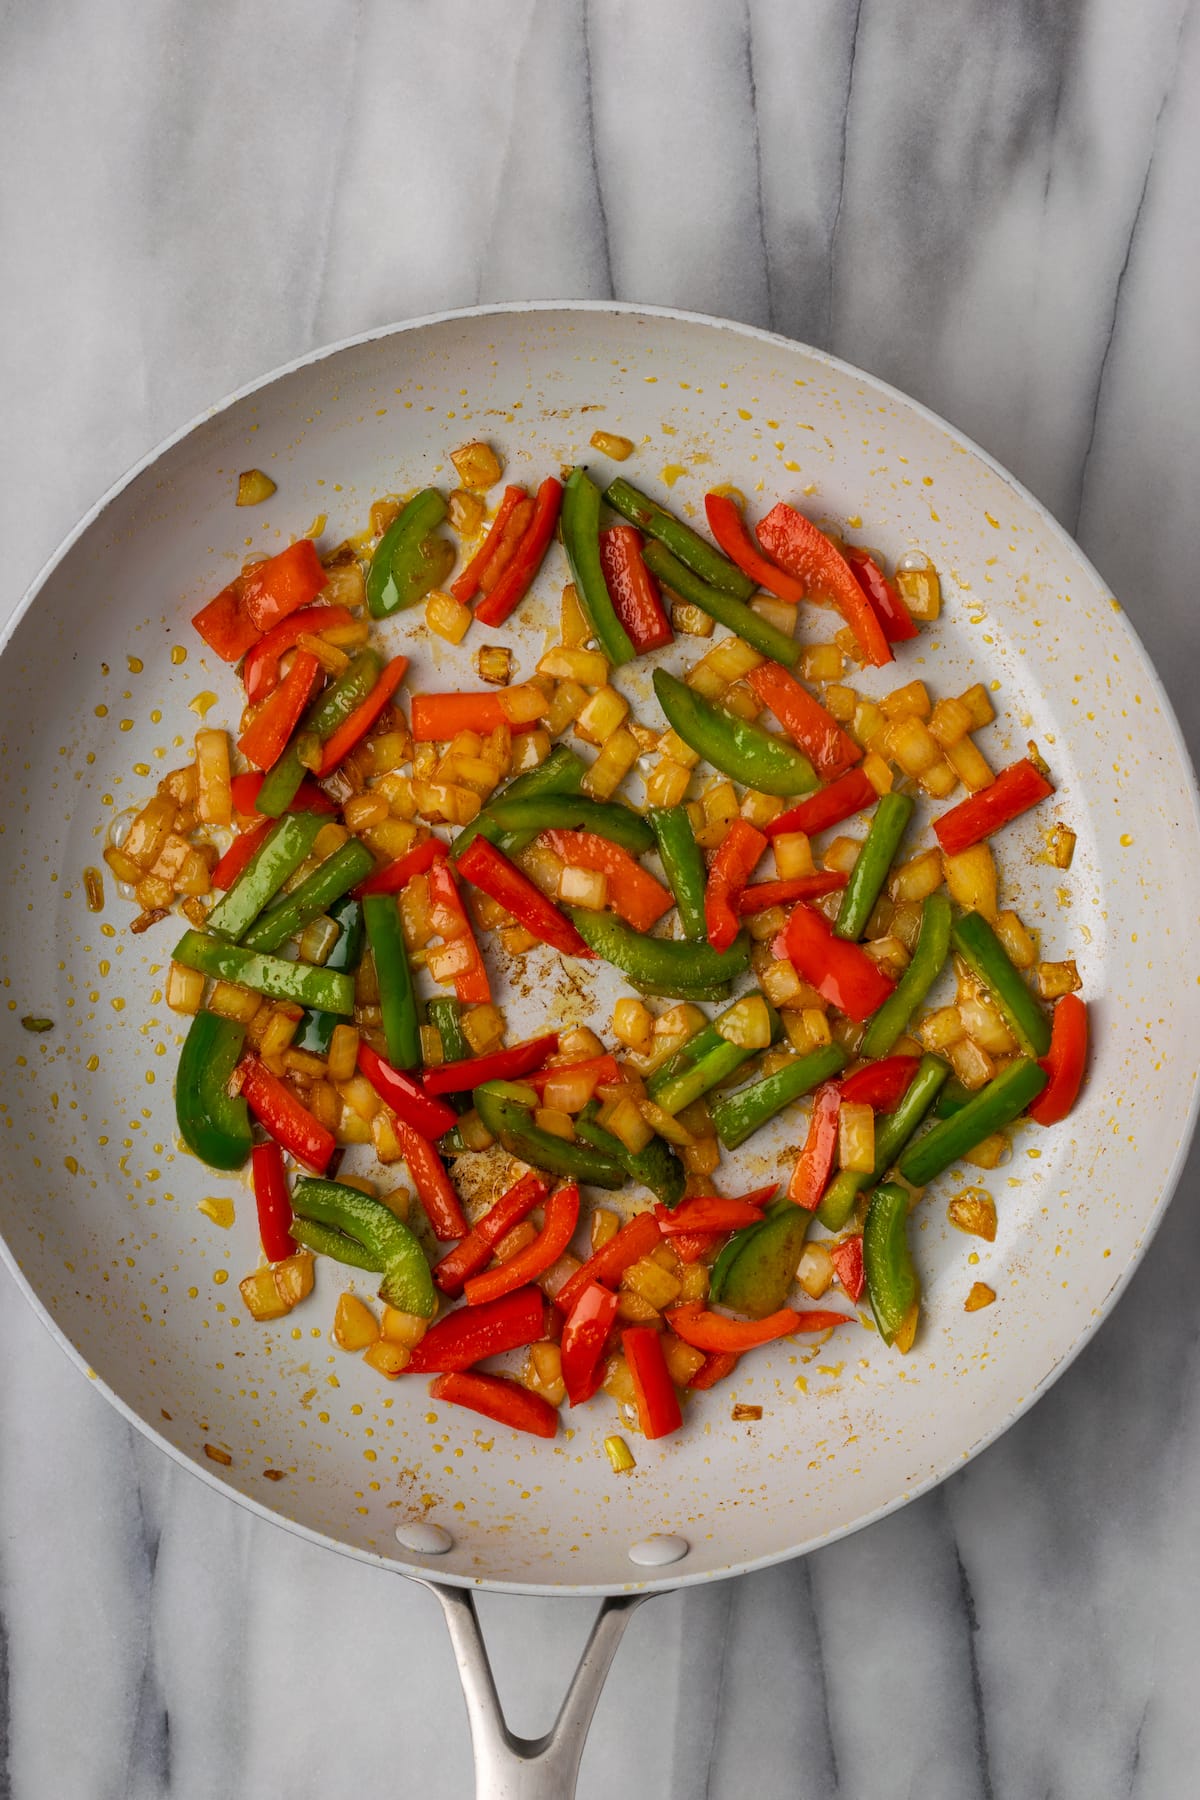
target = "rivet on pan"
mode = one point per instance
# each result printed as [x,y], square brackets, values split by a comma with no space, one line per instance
[424,1538]
[655,1552]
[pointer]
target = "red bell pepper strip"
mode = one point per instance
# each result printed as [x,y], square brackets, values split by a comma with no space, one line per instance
[435,1190]
[470,1333]
[729,528]
[514,583]
[292,1125]
[260,671]
[633,589]
[713,1331]
[338,747]
[464,587]
[694,1246]
[396,875]
[795,543]
[715,1367]
[847,1258]
[841,972]
[281,585]
[881,1084]
[1013,792]
[636,1238]
[266,737]
[449,916]
[728,874]
[765,894]
[562,1216]
[886,604]
[436,718]
[307,798]
[475,1251]
[653,1389]
[498,1397]
[409,1100]
[273,1201]
[849,794]
[633,892]
[506,545]
[814,1165]
[804,719]
[492,873]
[240,853]
[1064,1062]
[584,1335]
[224,626]
[500,1065]
[605,1068]
[707,1213]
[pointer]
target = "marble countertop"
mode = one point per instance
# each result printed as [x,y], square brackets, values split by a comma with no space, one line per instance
[991,204]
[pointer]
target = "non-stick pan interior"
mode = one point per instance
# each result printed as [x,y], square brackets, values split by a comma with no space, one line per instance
[98,1203]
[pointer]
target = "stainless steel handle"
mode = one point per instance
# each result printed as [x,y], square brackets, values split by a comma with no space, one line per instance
[508,1767]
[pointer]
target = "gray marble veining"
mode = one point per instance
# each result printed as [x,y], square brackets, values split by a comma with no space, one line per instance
[991,203]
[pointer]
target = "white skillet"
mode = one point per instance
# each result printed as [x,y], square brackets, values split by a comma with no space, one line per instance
[98,1206]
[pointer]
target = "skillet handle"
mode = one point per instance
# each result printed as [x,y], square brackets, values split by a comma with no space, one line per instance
[508,1767]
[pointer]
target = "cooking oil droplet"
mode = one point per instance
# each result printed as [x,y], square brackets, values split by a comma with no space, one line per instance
[1126,839]
[201,703]
[220,1276]
[136,665]
[102,711]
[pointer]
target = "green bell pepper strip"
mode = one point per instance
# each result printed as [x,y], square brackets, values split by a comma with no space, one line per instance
[892,1285]
[872,864]
[331,709]
[728,1255]
[736,1116]
[758,1277]
[339,873]
[683,866]
[735,614]
[212,1125]
[691,549]
[718,991]
[607,818]
[987,959]
[994,1106]
[892,1133]
[669,965]
[656,1166]
[445,1012]
[736,746]
[580,527]
[952,1099]
[371,1228]
[397,1001]
[270,975]
[278,856]
[326,1240]
[513,1123]
[929,955]
[698,1066]
[316,1028]
[402,569]
[561,773]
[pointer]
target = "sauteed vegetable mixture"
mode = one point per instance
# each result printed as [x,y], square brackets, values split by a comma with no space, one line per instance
[752,853]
